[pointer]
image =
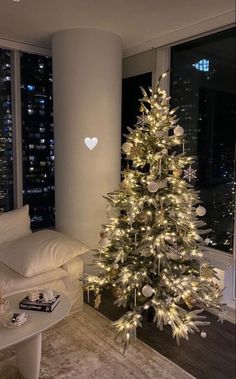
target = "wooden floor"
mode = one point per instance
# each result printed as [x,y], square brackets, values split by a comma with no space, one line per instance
[205,358]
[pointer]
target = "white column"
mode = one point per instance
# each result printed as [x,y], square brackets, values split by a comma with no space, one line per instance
[87,103]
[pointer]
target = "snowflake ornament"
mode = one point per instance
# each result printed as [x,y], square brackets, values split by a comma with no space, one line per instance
[190,174]
[222,315]
[141,120]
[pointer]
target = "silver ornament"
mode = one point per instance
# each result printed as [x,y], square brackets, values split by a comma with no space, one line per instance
[178,131]
[126,147]
[152,187]
[200,211]
[147,290]
[203,334]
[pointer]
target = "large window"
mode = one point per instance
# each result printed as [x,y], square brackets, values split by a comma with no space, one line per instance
[203,78]
[37,138]
[6,168]
[33,94]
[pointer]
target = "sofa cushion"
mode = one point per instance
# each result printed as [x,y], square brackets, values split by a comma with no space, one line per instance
[40,252]
[14,224]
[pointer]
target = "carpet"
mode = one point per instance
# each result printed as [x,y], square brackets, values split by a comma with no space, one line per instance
[83,346]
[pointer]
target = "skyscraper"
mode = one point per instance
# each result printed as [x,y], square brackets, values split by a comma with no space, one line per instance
[37,138]
[203,87]
[6,169]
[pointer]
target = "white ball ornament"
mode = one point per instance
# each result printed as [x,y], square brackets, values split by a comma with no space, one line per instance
[104,242]
[178,131]
[207,241]
[126,147]
[152,187]
[203,334]
[164,151]
[200,211]
[115,266]
[147,290]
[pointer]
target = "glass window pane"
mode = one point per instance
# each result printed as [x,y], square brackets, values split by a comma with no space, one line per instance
[37,138]
[203,78]
[6,167]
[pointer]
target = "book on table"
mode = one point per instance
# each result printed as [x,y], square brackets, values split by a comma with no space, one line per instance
[40,304]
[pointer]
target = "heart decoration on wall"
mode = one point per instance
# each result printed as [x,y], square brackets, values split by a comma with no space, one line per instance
[90,142]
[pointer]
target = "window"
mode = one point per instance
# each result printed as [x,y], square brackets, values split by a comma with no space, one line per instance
[35,89]
[37,138]
[203,78]
[6,167]
[130,104]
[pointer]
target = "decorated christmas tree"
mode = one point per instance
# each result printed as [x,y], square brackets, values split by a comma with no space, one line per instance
[151,248]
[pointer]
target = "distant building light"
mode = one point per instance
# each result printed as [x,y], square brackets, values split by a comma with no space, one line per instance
[34,190]
[36,218]
[202,65]
[30,87]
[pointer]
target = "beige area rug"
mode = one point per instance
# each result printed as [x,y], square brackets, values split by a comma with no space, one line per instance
[83,346]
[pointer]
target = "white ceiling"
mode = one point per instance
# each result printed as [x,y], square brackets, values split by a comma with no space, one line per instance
[137,22]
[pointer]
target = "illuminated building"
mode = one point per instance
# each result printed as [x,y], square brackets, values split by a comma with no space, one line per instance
[37,138]
[6,174]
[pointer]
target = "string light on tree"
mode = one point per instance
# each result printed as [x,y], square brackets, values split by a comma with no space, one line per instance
[150,253]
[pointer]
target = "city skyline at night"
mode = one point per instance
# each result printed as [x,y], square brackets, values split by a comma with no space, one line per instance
[6,164]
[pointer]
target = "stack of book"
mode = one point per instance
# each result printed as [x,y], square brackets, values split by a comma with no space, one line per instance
[40,304]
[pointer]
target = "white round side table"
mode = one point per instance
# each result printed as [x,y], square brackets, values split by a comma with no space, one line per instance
[27,340]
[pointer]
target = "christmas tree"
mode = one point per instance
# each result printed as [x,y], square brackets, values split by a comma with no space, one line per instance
[151,248]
